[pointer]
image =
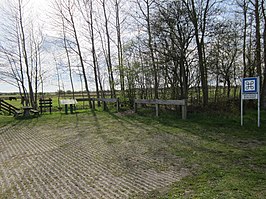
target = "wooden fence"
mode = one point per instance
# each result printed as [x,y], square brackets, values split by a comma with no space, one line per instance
[182,103]
[8,107]
[104,100]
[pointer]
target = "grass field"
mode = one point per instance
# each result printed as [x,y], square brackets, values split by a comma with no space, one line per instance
[126,155]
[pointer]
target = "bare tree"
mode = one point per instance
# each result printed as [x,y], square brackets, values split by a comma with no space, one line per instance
[68,58]
[174,35]
[37,73]
[263,92]
[119,47]
[25,54]
[88,16]
[22,43]
[145,7]
[108,50]
[243,4]
[258,37]
[198,16]
[66,10]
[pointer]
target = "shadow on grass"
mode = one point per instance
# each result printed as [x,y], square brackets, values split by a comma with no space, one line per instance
[215,147]
[225,158]
[8,120]
[205,123]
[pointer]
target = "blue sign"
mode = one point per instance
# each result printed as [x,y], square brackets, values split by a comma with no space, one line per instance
[250,85]
[250,89]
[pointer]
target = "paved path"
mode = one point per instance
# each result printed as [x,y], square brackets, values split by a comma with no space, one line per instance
[47,162]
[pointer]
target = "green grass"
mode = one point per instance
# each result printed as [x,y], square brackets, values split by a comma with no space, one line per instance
[224,159]
[5,120]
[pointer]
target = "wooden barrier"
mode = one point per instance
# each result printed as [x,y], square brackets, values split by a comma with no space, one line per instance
[104,100]
[182,103]
[8,107]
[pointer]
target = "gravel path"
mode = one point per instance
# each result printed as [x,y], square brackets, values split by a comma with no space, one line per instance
[85,161]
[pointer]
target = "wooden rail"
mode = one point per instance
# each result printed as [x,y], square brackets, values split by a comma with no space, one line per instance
[8,107]
[104,100]
[157,102]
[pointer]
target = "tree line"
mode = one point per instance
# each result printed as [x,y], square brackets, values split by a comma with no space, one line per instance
[149,49]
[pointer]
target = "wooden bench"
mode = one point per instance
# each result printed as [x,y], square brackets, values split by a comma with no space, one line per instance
[17,113]
[45,103]
[34,112]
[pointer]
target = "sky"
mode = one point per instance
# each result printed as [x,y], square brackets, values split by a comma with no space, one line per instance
[41,8]
[43,11]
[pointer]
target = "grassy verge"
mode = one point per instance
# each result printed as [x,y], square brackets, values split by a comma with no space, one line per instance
[225,160]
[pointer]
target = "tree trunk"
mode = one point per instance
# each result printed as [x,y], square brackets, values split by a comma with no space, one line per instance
[80,56]
[150,44]
[258,44]
[120,50]
[25,56]
[109,60]
[20,64]
[199,28]
[263,90]
[68,60]
[245,37]
[94,57]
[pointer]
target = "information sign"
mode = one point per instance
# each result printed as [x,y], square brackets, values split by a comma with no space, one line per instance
[250,85]
[249,96]
[250,89]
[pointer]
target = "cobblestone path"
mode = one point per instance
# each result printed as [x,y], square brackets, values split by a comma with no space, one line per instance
[84,162]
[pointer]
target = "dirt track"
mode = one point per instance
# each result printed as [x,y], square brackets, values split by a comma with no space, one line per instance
[86,160]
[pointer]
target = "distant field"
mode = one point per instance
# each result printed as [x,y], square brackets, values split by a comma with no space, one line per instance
[125,155]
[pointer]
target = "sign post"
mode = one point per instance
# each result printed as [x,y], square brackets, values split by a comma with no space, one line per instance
[250,89]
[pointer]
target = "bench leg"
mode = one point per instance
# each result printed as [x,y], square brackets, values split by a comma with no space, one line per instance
[71,108]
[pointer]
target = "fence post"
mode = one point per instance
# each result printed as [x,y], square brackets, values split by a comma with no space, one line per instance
[93,104]
[117,104]
[184,110]
[157,110]
[104,105]
[50,104]
[135,106]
